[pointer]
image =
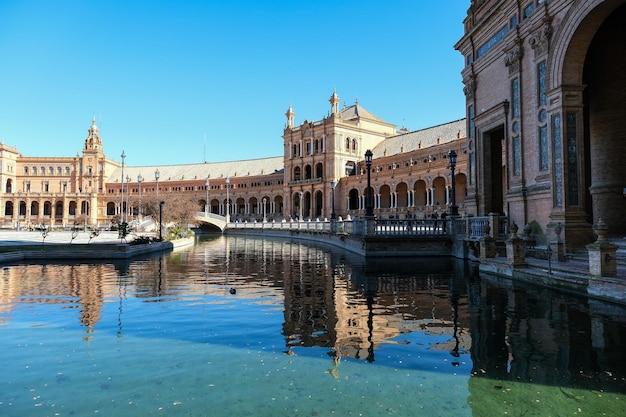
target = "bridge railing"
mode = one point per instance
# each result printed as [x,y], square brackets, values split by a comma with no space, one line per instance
[465,228]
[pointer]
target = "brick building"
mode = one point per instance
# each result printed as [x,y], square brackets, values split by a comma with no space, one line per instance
[410,176]
[544,84]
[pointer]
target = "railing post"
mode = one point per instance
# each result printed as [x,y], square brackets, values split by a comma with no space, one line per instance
[515,248]
[494,223]
[602,254]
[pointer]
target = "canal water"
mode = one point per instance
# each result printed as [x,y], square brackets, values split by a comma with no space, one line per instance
[244,326]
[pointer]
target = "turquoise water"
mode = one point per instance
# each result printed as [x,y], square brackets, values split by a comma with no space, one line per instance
[250,327]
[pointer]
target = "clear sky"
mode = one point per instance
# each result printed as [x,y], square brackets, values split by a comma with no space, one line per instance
[177,82]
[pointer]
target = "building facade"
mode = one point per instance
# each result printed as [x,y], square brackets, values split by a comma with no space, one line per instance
[545,97]
[321,172]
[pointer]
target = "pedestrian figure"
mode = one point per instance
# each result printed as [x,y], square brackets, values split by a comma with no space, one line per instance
[444,223]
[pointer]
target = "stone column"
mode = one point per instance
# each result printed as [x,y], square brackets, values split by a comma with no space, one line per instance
[487,244]
[602,261]
[515,248]
[556,244]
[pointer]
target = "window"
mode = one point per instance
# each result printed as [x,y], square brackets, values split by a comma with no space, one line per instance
[515,111]
[528,10]
[541,84]
[486,47]
[543,148]
[347,144]
[25,170]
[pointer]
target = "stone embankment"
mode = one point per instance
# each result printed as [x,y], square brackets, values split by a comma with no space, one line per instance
[23,246]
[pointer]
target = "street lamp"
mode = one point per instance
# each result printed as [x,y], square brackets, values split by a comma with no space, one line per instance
[333,184]
[369,206]
[139,180]
[227,200]
[264,200]
[454,210]
[122,191]
[161,219]
[157,175]
[206,205]
[127,197]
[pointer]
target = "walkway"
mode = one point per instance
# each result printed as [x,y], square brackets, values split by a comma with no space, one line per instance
[11,237]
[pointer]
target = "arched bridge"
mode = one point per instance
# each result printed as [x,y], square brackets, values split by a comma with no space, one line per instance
[211,220]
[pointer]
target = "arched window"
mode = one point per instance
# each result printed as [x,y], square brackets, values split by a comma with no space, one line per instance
[308,172]
[354,145]
[296,174]
[347,144]
[353,199]
[350,168]
[319,170]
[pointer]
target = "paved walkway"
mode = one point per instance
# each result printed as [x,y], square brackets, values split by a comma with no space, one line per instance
[11,237]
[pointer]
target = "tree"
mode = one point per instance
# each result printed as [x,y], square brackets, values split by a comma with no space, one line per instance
[178,211]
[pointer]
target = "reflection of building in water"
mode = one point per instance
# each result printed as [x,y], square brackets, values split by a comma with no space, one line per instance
[330,308]
[535,336]
[82,286]
[393,306]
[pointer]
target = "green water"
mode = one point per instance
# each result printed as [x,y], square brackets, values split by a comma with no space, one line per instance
[250,327]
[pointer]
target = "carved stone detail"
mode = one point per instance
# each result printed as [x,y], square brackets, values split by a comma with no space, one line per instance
[470,87]
[540,41]
[513,58]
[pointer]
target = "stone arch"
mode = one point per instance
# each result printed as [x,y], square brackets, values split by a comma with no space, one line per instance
[420,193]
[402,193]
[319,170]
[34,208]
[353,199]
[319,204]
[460,185]
[385,196]
[439,191]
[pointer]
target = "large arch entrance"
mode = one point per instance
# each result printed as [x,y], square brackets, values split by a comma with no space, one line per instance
[604,100]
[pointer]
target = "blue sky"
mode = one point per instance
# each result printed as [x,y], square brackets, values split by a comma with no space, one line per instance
[177,82]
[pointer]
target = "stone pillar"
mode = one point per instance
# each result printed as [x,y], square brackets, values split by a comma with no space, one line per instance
[515,248]
[556,244]
[602,261]
[487,244]
[370,225]
[494,223]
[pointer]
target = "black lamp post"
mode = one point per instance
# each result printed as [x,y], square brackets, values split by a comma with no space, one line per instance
[157,175]
[161,219]
[333,184]
[369,206]
[206,205]
[454,210]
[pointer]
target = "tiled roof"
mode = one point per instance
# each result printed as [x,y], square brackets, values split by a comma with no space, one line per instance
[354,111]
[211,170]
[408,142]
